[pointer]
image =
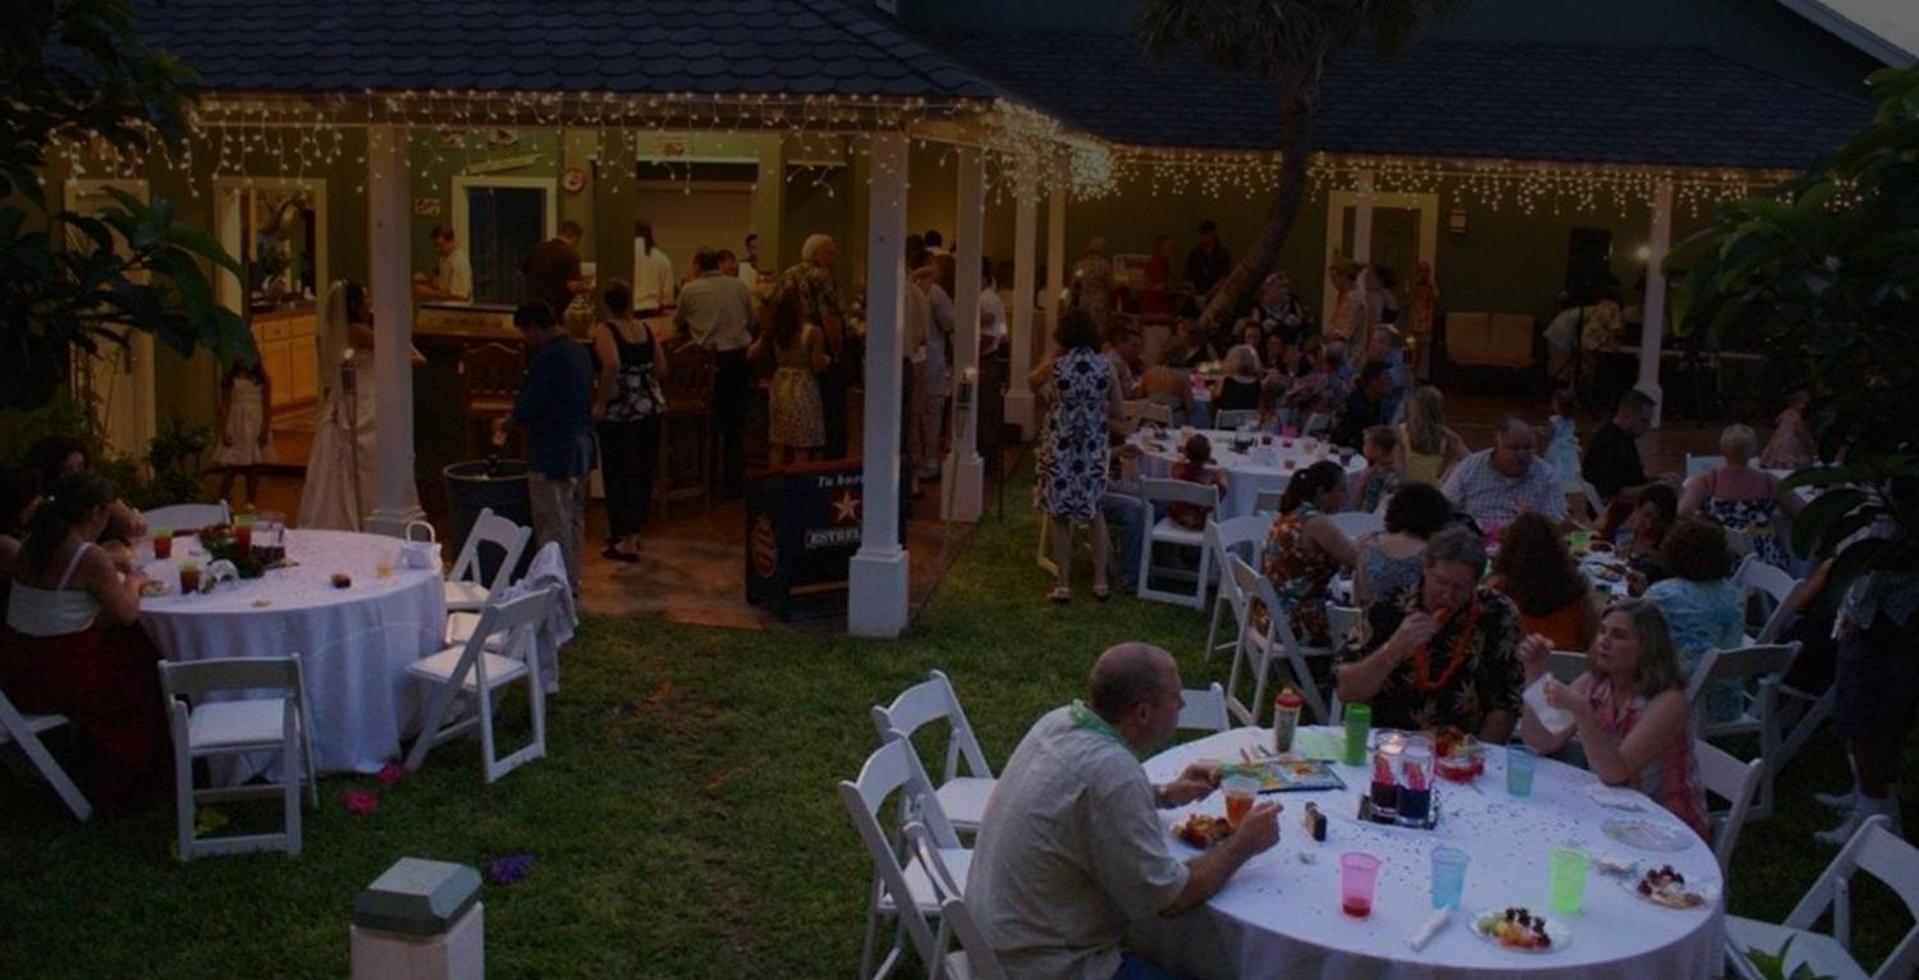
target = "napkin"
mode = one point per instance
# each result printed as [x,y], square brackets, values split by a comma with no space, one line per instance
[1322,746]
[1428,929]
[1552,718]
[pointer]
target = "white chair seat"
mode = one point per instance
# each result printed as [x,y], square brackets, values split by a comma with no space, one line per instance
[229,724]
[465,596]
[1168,532]
[1826,957]
[964,800]
[920,882]
[36,724]
[440,666]
[460,627]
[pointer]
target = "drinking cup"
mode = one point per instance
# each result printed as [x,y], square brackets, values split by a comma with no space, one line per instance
[1520,763]
[1569,879]
[1359,724]
[162,544]
[1449,876]
[1358,874]
[1240,792]
[189,577]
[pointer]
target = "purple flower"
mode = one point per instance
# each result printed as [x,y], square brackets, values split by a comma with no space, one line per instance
[510,869]
[391,773]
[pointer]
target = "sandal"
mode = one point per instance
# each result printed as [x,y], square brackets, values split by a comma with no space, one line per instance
[1102,593]
[1060,594]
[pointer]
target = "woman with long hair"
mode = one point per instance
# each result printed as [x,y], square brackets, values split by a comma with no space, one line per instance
[343,465]
[1631,719]
[797,426]
[73,646]
[1305,549]
[628,408]
[1389,562]
[1702,604]
[1427,447]
[1537,572]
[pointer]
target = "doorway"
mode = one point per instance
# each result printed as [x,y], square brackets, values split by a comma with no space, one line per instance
[1404,233]
[276,228]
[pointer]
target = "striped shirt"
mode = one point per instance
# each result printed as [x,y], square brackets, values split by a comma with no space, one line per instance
[1478,488]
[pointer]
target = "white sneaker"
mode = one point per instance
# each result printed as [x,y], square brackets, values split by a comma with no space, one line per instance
[1838,836]
[1866,808]
[1837,801]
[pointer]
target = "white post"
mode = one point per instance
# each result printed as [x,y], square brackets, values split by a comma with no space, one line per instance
[1654,337]
[1019,396]
[389,218]
[877,605]
[1055,251]
[963,477]
[1363,218]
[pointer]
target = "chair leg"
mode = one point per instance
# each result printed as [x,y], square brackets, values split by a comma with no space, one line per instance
[430,726]
[50,770]
[1233,705]
[291,771]
[183,803]
[487,760]
[1212,629]
[872,931]
[1262,668]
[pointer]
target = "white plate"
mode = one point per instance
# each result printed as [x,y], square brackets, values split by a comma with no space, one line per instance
[1711,895]
[1647,836]
[1616,797]
[1557,931]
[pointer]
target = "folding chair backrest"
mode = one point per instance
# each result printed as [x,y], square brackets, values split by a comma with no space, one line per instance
[1728,665]
[1696,465]
[1234,534]
[1204,708]
[187,517]
[1733,781]
[1179,491]
[893,768]
[981,962]
[1259,589]
[1586,490]
[1317,423]
[1356,524]
[929,701]
[1566,665]
[1233,418]
[1341,621]
[194,679]
[1780,589]
[1878,851]
[1267,501]
[491,528]
[516,620]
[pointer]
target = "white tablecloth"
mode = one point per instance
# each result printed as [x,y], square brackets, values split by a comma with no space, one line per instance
[354,643]
[1261,468]
[1281,917]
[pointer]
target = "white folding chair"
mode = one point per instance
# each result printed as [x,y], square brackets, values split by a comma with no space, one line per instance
[25,730]
[963,798]
[187,518]
[1204,708]
[1590,494]
[903,887]
[1566,666]
[203,728]
[1233,418]
[1772,589]
[464,590]
[1696,465]
[1732,781]
[1764,666]
[471,672]
[1875,849]
[1340,622]
[1267,501]
[975,958]
[1166,532]
[1223,538]
[1317,424]
[1142,410]
[1357,524]
[1259,648]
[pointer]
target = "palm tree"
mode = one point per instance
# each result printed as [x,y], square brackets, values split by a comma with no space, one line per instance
[1288,42]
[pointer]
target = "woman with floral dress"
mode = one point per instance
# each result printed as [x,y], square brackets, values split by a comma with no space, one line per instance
[1305,549]
[1741,499]
[1082,409]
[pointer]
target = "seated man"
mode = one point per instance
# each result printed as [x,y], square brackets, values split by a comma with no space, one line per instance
[1365,407]
[1494,485]
[1612,461]
[1070,849]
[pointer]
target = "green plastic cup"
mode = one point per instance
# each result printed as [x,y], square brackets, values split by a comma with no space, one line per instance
[1569,879]
[1359,726]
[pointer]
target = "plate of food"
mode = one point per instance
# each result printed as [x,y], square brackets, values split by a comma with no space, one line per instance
[1666,887]
[1202,830]
[1286,774]
[1647,836]
[1521,929]
[153,588]
[1457,755]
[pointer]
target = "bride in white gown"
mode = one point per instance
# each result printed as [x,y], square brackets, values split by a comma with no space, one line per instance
[342,467]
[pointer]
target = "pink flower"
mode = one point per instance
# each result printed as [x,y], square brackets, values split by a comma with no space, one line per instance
[360,801]
[391,773]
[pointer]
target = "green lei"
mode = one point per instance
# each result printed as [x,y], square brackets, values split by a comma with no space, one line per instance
[1087,718]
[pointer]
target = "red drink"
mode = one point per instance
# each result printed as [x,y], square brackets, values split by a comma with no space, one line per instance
[1356,907]
[243,536]
[1237,806]
[189,579]
[163,546]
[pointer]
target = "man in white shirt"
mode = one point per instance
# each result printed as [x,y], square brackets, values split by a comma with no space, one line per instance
[749,271]
[1071,849]
[992,312]
[452,279]
[653,276]
[1495,485]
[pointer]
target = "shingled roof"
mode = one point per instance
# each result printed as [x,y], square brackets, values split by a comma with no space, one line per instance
[1640,105]
[792,47]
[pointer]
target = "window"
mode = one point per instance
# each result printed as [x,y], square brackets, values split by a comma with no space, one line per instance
[503,225]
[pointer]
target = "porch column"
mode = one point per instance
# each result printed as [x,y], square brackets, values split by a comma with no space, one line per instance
[1653,340]
[1055,252]
[962,479]
[877,604]
[389,217]
[1363,218]
[1019,396]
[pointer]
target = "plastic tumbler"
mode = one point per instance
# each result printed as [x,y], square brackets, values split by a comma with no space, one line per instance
[1358,873]
[1519,770]
[1359,724]
[1569,879]
[1240,792]
[1449,876]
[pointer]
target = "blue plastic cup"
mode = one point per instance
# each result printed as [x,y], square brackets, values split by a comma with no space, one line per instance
[1449,876]
[1519,770]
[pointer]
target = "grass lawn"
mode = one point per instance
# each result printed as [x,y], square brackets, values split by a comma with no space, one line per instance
[684,821]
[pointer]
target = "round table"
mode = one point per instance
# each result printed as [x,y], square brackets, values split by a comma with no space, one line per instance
[1280,916]
[354,643]
[1263,467]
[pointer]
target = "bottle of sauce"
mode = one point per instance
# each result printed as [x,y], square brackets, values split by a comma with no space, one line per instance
[1286,708]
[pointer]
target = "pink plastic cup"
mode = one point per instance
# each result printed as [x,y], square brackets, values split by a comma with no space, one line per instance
[1358,873]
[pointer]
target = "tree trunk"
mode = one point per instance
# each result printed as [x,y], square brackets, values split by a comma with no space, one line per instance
[1295,143]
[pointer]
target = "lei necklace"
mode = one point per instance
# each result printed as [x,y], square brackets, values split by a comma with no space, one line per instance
[1455,655]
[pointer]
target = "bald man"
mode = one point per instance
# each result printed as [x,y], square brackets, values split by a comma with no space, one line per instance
[1496,485]
[1071,849]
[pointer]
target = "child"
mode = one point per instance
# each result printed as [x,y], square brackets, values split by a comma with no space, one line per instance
[1371,486]
[1194,469]
[1791,445]
[246,423]
[1562,439]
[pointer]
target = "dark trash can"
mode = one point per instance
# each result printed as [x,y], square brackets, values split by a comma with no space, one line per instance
[479,484]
